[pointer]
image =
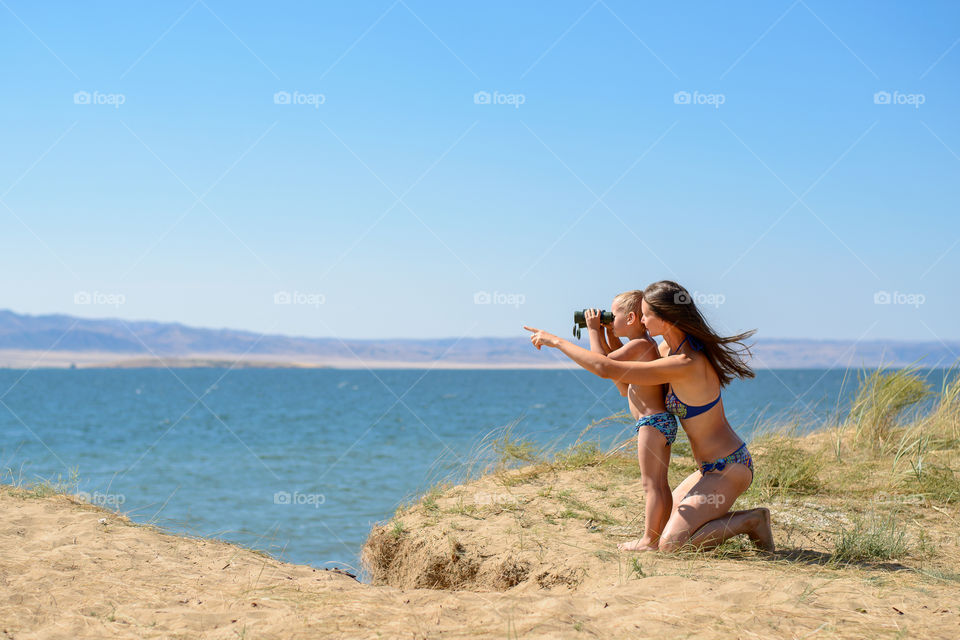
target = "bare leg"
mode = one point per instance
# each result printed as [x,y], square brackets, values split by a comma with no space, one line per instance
[682,489]
[653,453]
[702,517]
[755,523]
[674,501]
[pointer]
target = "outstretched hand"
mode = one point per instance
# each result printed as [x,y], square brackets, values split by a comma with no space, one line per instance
[539,338]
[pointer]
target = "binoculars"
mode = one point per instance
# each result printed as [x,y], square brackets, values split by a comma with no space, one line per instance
[580,320]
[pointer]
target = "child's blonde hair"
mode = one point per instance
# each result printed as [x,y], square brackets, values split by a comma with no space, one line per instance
[630,301]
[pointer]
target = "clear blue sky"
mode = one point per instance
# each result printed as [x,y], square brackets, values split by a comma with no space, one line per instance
[386,209]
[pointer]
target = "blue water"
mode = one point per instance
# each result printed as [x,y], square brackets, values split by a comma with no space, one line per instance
[301,463]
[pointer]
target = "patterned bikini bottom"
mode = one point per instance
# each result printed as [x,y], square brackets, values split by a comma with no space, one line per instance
[665,423]
[741,455]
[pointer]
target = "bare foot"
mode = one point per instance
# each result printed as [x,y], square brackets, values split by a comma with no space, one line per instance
[643,544]
[760,532]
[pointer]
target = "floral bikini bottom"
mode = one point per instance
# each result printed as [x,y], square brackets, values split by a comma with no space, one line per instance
[663,422]
[741,455]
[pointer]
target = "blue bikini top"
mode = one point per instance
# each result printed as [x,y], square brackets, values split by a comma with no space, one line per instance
[676,406]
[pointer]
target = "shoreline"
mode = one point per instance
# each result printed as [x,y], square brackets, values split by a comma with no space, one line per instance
[20,360]
[32,359]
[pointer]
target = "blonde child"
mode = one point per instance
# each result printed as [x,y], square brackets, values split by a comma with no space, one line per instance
[656,429]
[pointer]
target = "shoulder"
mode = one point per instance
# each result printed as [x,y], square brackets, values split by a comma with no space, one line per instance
[639,349]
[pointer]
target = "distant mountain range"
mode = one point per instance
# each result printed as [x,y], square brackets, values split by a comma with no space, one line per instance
[62,340]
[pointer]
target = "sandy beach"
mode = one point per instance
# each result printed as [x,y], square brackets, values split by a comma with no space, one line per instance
[523,552]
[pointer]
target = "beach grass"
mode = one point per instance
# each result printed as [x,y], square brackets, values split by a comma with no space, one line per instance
[43,487]
[883,395]
[783,467]
[877,536]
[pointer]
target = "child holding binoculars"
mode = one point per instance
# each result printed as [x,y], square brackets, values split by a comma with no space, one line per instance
[656,429]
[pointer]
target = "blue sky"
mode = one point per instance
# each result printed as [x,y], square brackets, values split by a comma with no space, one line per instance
[336,169]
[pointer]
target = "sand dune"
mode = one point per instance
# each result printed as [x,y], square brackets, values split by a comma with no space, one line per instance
[546,541]
[72,570]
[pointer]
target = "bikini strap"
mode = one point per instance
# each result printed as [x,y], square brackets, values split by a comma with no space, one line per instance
[681,344]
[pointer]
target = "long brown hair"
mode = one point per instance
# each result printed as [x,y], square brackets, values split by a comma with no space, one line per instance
[675,305]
